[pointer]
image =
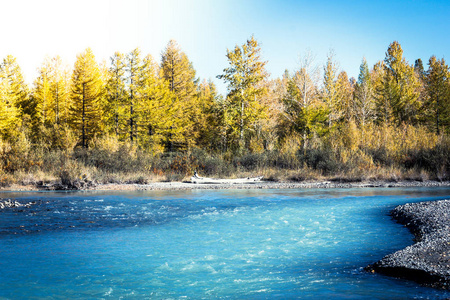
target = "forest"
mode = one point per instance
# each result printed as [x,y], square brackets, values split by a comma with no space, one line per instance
[136,120]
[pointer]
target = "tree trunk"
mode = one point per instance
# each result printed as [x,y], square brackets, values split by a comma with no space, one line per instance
[131,114]
[242,124]
[57,104]
[437,114]
[83,130]
[116,115]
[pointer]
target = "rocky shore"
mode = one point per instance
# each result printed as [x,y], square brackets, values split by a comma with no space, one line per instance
[254,185]
[9,203]
[428,260]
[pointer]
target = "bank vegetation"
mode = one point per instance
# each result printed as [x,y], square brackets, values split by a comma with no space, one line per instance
[135,120]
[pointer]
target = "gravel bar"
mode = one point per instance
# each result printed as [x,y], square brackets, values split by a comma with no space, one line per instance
[254,185]
[428,260]
[267,185]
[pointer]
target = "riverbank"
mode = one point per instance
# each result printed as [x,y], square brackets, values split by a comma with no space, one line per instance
[255,185]
[428,260]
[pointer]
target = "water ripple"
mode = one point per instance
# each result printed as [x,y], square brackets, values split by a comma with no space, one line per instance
[206,244]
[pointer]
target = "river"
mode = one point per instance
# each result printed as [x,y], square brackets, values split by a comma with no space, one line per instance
[206,244]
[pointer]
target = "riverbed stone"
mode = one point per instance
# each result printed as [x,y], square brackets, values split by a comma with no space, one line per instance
[9,203]
[428,260]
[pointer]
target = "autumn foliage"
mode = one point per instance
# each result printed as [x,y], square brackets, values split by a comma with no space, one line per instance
[136,120]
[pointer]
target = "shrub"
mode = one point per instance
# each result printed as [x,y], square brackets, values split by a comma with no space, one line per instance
[248,162]
[15,154]
[6,179]
[435,160]
[172,176]
[215,166]
[70,172]
[380,156]
[319,159]
[282,160]
[297,178]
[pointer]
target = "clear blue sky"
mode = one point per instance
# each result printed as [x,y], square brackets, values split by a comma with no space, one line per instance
[206,28]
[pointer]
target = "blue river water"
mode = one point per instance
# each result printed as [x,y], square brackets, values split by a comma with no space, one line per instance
[206,244]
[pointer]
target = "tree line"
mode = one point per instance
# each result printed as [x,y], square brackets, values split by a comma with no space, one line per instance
[163,106]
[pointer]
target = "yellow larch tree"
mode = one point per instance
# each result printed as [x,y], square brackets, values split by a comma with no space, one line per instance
[178,71]
[13,96]
[86,96]
[245,76]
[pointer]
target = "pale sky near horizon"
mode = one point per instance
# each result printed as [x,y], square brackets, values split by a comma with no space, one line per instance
[32,30]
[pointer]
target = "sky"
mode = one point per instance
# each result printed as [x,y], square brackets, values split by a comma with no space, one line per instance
[286,29]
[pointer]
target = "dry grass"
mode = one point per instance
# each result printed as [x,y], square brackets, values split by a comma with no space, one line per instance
[33,178]
[381,154]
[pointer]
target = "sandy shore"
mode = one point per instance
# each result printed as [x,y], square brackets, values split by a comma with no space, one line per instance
[256,185]
[428,260]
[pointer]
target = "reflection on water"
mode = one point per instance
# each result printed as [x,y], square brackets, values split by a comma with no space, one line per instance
[206,244]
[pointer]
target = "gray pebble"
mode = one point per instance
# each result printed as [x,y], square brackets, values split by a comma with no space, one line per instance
[428,260]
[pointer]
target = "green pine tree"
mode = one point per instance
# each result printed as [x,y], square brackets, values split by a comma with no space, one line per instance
[438,91]
[400,93]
